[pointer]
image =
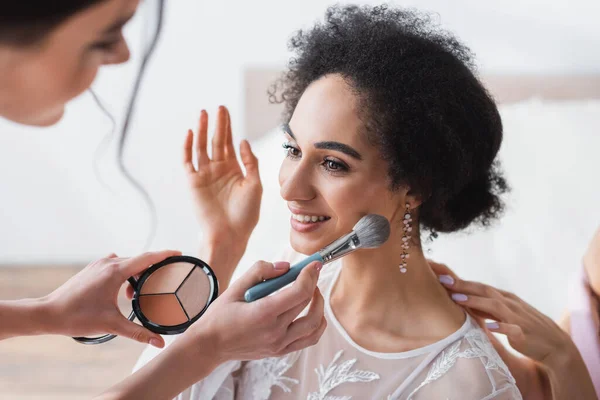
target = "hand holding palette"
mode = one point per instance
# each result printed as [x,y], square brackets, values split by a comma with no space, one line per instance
[169,296]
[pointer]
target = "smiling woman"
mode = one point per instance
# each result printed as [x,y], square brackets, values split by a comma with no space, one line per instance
[384,116]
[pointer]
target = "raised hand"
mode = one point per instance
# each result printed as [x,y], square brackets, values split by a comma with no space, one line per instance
[227,202]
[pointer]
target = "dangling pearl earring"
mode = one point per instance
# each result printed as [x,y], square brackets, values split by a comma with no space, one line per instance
[406,239]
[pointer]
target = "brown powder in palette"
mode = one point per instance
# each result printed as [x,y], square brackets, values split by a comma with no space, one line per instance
[163,309]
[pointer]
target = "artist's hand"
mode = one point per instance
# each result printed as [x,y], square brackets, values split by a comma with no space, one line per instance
[591,261]
[232,329]
[267,327]
[530,332]
[227,202]
[86,305]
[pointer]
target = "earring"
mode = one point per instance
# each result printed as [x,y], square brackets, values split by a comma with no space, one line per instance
[406,239]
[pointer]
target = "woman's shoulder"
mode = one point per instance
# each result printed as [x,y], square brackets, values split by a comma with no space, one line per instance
[470,365]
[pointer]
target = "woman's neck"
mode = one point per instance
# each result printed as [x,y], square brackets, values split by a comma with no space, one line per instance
[372,298]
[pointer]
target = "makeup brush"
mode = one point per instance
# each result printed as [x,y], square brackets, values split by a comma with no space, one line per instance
[370,232]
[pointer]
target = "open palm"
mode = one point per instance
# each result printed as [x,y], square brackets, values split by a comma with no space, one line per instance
[227,202]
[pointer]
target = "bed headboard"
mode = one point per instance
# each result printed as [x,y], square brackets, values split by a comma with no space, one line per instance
[260,116]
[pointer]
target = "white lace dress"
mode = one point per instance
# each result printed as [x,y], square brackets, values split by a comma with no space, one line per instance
[463,366]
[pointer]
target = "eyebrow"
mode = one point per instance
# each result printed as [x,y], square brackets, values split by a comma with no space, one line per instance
[336,146]
[118,25]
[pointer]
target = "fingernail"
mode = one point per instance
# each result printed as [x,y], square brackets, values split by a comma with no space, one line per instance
[446,279]
[319,266]
[155,342]
[492,325]
[280,265]
[459,297]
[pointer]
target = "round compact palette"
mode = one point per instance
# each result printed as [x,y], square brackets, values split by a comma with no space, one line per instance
[173,294]
[169,296]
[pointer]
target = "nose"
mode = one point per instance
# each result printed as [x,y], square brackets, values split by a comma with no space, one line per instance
[295,181]
[122,55]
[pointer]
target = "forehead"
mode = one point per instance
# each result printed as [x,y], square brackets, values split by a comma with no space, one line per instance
[94,20]
[327,110]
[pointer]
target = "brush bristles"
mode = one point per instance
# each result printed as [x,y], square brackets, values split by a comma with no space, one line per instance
[372,230]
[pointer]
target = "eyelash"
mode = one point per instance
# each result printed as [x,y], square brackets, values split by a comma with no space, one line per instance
[326,164]
[105,46]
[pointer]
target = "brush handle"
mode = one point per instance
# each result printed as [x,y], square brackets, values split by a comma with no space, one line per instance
[269,286]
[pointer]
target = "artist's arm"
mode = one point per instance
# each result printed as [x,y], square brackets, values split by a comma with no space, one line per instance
[232,329]
[227,201]
[84,305]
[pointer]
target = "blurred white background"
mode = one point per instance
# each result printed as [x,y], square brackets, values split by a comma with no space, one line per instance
[55,211]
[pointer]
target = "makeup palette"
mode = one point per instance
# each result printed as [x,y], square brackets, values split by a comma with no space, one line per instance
[170,296]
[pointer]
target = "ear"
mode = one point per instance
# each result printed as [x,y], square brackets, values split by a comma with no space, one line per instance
[413,199]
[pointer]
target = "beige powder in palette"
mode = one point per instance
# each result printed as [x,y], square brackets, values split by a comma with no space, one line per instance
[175,294]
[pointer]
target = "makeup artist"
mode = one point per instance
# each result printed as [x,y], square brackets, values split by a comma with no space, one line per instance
[50,52]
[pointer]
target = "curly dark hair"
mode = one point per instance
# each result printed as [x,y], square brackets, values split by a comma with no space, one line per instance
[421,104]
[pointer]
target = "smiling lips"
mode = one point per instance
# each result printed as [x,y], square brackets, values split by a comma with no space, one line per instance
[309,218]
[304,223]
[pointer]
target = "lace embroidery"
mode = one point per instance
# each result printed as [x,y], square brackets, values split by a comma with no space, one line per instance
[262,375]
[441,365]
[481,348]
[335,375]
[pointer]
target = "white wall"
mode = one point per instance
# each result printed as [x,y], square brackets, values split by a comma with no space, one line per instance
[55,210]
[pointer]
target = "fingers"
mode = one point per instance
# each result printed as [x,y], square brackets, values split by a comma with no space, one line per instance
[129,291]
[307,341]
[470,288]
[229,149]
[494,307]
[187,152]
[514,333]
[136,265]
[136,332]
[308,324]
[249,160]
[202,139]
[220,137]
[259,272]
[112,255]
[302,290]
[289,316]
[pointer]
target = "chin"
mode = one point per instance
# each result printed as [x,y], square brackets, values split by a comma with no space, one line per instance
[42,119]
[306,245]
[50,118]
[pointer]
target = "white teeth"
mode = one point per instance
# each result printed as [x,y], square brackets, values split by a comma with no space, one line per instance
[308,218]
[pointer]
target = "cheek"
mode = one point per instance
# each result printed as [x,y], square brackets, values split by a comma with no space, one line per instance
[64,82]
[82,77]
[353,198]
